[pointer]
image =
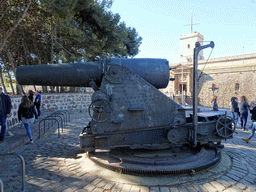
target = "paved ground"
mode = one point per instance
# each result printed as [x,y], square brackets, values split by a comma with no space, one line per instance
[54,164]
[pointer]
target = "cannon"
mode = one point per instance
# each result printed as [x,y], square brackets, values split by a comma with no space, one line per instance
[129,113]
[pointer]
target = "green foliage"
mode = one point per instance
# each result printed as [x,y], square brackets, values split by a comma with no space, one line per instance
[65,31]
[104,35]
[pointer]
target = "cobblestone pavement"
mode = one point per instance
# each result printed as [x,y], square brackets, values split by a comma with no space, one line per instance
[53,164]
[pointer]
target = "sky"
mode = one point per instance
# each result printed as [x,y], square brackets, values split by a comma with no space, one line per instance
[231,24]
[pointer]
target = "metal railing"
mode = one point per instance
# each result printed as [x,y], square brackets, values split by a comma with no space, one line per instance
[47,119]
[66,112]
[2,186]
[62,115]
[60,118]
[22,169]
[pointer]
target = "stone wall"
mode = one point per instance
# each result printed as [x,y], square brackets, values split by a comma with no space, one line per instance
[225,79]
[229,61]
[53,102]
[224,73]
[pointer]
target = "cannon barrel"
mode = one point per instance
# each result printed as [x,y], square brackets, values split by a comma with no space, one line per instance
[155,71]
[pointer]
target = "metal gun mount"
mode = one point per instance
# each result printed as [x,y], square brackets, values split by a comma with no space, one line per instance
[128,112]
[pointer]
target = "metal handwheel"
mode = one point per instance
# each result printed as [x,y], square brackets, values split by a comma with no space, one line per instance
[100,110]
[225,126]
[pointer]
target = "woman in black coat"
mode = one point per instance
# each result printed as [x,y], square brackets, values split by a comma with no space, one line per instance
[27,114]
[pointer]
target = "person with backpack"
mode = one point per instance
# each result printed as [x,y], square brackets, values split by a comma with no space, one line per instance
[234,109]
[27,114]
[253,112]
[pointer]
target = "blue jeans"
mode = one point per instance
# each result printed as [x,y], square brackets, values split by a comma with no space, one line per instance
[3,125]
[235,117]
[243,119]
[38,110]
[252,133]
[27,126]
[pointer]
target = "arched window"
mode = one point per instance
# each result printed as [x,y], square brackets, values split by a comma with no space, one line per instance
[237,87]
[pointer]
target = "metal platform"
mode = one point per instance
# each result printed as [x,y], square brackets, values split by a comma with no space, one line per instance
[176,160]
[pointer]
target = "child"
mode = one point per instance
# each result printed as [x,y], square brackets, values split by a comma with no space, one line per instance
[253,112]
[214,104]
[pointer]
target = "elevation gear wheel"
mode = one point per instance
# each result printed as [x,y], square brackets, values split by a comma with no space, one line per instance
[100,110]
[173,136]
[115,74]
[225,126]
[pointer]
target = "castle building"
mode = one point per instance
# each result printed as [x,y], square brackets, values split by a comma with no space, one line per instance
[224,77]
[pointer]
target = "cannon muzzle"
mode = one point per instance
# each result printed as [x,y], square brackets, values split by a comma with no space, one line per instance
[155,71]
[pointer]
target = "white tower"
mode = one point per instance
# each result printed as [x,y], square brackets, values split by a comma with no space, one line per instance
[188,44]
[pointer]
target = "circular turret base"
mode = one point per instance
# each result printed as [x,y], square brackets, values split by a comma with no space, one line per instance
[176,160]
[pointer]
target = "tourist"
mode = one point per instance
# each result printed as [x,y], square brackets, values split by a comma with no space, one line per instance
[27,114]
[234,109]
[253,112]
[214,104]
[5,111]
[243,109]
[31,95]
[37,102]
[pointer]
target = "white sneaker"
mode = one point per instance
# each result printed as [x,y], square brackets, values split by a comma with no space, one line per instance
[31,141]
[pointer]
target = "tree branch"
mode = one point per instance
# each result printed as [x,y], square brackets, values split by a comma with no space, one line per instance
[9,32]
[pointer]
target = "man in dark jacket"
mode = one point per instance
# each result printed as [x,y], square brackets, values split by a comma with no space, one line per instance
[5,111]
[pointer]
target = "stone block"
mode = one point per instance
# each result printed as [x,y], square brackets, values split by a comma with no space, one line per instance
[14,106]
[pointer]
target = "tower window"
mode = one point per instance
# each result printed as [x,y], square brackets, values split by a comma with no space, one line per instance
[188,46]
[237,87]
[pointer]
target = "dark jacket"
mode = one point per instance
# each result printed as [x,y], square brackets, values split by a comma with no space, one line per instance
[253,112]
[235,106]
[244,106]
[22,111]
[7,105]
[31,97]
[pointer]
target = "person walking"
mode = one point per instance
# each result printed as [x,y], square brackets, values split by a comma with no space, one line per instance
[37,102]
[31,95]
[5,112]
[214,104]
[27,114]
[234,109]
[253,112]
[243,109]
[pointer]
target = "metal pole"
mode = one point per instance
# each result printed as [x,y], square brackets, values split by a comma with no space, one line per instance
[182,85]
[195,98]
[243,54]
[197,49]
[182,79]
[2,186]
[23,171]
[22,167]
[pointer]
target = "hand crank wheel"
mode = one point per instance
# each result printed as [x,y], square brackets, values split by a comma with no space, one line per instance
[225,126]
[100,110]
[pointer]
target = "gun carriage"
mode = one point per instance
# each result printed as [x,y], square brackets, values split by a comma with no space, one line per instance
[133,120]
